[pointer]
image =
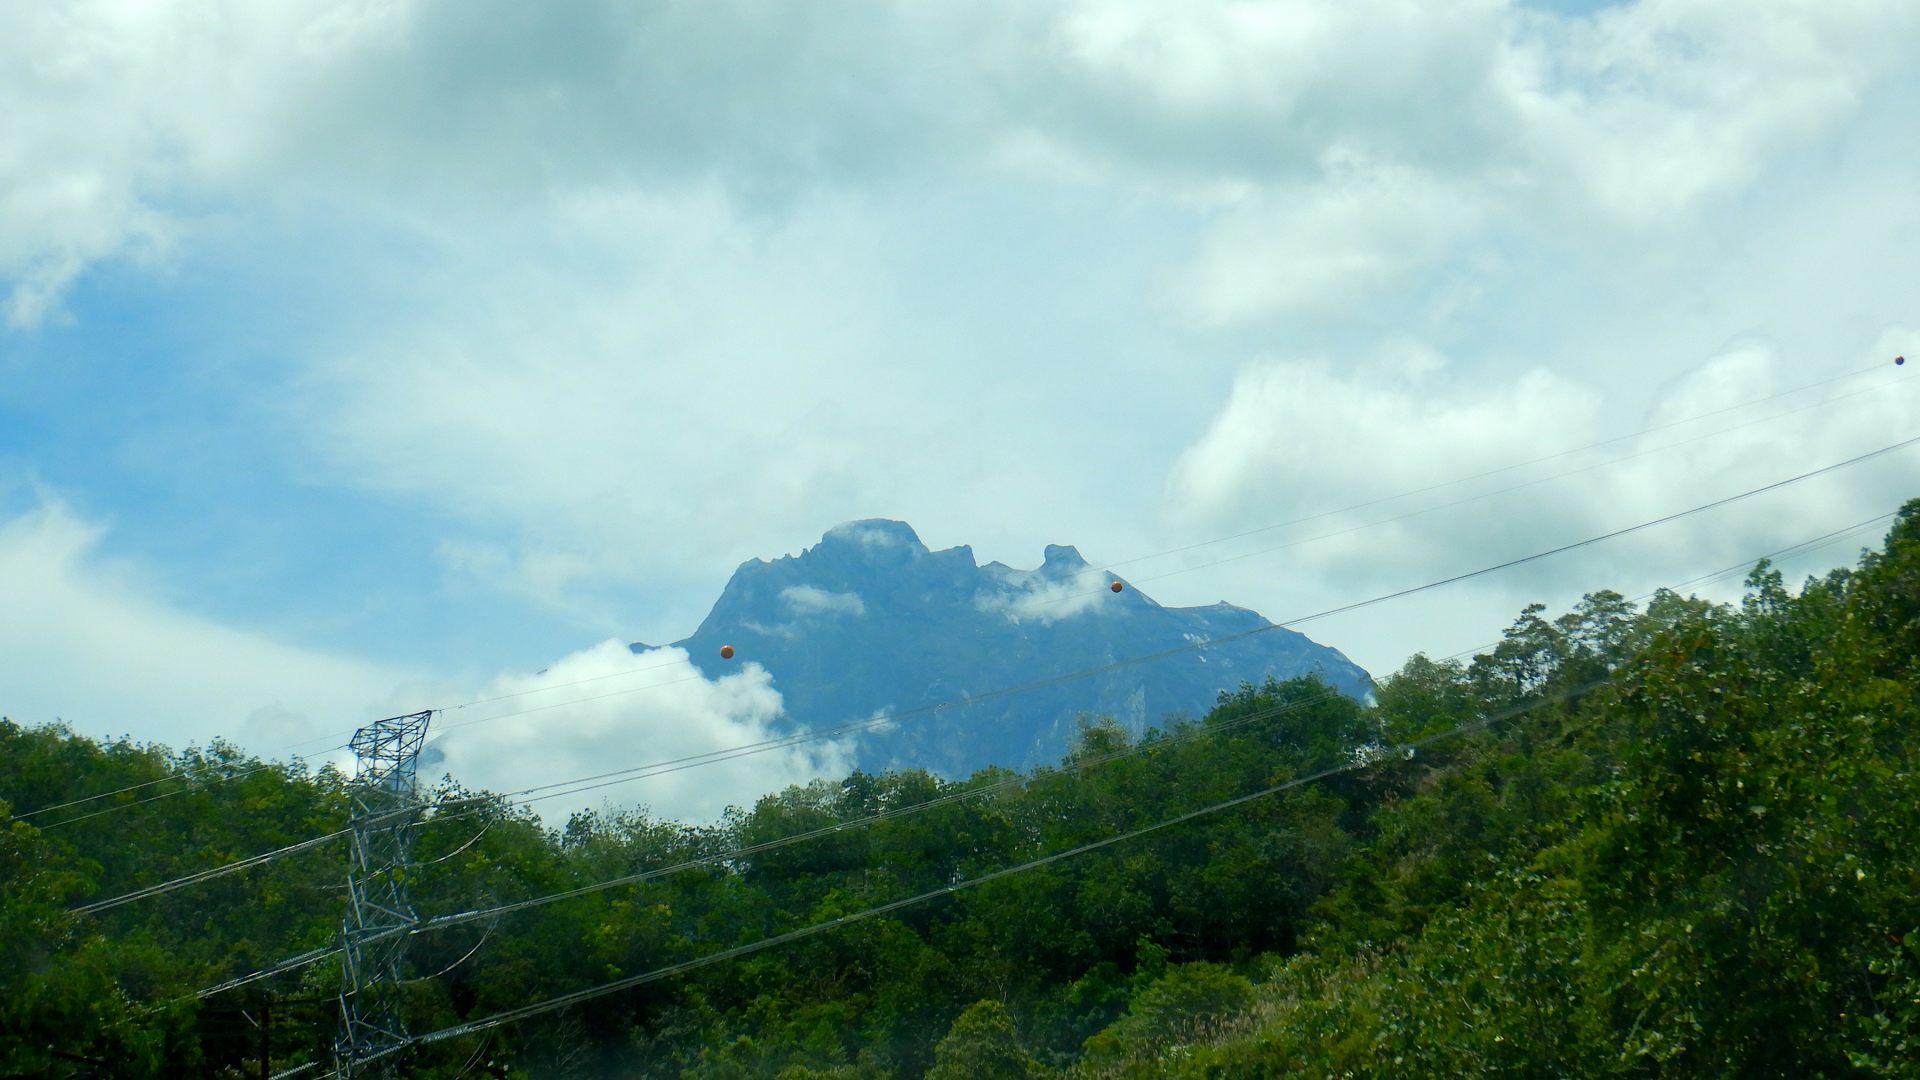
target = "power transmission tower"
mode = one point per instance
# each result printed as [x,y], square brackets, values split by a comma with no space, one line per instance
[373,934]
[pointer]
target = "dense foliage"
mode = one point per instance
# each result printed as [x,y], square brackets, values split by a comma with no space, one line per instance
[1675,841]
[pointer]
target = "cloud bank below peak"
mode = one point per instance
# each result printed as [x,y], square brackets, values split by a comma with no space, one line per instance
[634,709]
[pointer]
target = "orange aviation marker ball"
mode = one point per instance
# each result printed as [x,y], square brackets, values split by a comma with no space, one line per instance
[726,652]
[1898,360]
[1116,586]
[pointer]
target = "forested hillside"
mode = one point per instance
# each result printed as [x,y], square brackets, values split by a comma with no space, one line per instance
[1670,841]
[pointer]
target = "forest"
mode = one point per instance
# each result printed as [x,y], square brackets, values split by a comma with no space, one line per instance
[1670,838]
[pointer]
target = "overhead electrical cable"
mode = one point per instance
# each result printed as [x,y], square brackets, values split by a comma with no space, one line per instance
[1269,550]
[583,784]
[485,936]
[1804,547]
[1324,514]
[291,963]
[558,686]
[207,875]
[717,858]
[204,771]
[251,861]
[562,1001]
[558,789]
[607,779]
[1100,569]
[1870,369]
[1816,384]
[440,922]
[1462,501]
[187,776]
[624,775]
[571,701]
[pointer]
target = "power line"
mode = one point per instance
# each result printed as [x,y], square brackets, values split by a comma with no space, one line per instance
[963,795]
[1363,526]
[251,861]
[190,775]
[717,858]
[1108,566]
[1521,465]
[1341,510]
[558,686]
[291,963]
[1235,558]
[1314,517]
[596,781]
[616,776]
[440,922]
[264,766]
[1804,547]
[565,1000]
[1388,753]
[578,701]
[262,859]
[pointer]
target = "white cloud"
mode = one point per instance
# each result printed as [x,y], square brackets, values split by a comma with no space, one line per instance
[582,716]
[1323,245]
[437,114]
[809,600]
[867,535]
[74,153]
[1258,92]
[682,287]
[1046,600]
[90,642]
[1475,122]
[568,582]
[619,423]
[688,390]
[1307,434]
[127,123]
[1649,107]
[1295,439]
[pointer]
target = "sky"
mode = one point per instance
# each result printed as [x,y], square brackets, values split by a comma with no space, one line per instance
[364,357]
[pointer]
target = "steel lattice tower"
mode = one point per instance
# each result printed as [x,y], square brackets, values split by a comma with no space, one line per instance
[373,934]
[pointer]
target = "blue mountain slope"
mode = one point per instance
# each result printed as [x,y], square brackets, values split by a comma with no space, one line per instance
[870,621]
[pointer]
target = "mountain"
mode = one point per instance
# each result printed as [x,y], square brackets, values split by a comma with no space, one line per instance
[870,621]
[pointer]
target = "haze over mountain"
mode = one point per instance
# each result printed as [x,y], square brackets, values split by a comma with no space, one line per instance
[869,621]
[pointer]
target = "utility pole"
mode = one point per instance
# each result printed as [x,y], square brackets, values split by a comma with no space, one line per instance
[373,934]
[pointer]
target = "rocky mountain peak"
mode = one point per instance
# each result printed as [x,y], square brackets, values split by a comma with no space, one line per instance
[879,535]
[870,621]
[1062,559]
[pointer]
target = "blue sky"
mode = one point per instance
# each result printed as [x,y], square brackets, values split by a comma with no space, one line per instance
[363,356]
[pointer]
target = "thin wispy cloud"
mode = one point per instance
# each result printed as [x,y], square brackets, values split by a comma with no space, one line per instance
[811,600]
[100,644]
[1045,600]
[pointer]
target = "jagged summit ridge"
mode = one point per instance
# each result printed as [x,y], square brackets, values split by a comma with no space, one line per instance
[871,620]
[882,533]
